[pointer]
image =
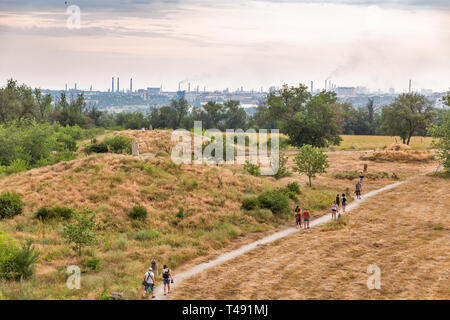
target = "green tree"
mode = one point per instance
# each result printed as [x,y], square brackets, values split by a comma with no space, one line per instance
[181,108]
[311,161]
[306,119]
[235,116]
[442,135]
[81,231]
[408,114]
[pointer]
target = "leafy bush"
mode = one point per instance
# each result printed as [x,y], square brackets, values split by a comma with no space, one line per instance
[253,169]
[291,190]
[190,184]
[45,213]
[10,204]
[283,170]
[81,232]
[261,215]
[17,262]
[275,200]
[93,263]
[144,235]
[117,144]
[138,213]
[250,203]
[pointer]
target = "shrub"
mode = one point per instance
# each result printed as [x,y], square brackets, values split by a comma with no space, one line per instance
[250,203]
[253,169]
[45,213]
[275,200]
[190,184]
[93,263]
[16,166]
[283,170]
[81,232]
[294,187]
[17,262]
[144,235]
[10,204]
[261,215]
[117,144]
[138,213]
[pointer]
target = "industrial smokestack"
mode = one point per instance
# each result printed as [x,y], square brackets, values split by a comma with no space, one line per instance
[112,85]
[189,87]
[409,86]
[312,86]
[118,84]
[326,84]
[131,85]
[75,86]
[66,86]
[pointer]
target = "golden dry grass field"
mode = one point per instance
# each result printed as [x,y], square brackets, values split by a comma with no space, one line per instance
[194,213]
[363,142]
[404,231]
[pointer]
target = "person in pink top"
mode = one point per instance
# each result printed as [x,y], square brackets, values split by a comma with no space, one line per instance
[306,217]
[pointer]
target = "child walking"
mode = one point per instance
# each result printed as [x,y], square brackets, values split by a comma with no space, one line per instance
[333,211]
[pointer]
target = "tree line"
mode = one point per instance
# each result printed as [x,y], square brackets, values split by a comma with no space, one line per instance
[307,119]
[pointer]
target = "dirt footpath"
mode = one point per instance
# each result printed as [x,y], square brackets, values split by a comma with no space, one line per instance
[404,231]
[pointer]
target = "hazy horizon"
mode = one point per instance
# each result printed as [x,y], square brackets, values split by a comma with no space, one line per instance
[378,44]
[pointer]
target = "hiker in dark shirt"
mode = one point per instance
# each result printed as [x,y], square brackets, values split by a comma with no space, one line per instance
[358,190]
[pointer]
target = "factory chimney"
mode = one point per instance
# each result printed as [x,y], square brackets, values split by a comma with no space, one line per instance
[112,85]
[409,90]
[189,87]
[131,85]
[66,86]
[75,86]
[312,86]
[117,84]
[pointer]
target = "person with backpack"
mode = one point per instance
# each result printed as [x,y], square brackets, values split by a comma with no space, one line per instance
[358,190]
[344,202]
[298,217]
[337,201]
[149,282]
[167,279]
[306,216]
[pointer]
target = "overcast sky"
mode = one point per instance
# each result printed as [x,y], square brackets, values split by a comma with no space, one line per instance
[227,44]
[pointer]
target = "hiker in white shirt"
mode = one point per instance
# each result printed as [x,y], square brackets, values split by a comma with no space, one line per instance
[149,282]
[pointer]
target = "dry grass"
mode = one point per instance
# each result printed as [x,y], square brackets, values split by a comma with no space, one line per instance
[404,231]
[111,185]
[400,153]
[364,142]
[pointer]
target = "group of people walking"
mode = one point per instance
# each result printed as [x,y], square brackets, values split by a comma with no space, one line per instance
[149,281]
[338,203]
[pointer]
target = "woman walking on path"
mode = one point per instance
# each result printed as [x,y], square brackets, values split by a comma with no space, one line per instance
[167,279]
[344,202]
[338,203]
[306,217]
[361,177]
[333,211]
[298,217]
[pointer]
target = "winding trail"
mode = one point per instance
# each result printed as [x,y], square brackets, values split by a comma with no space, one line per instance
[179,277]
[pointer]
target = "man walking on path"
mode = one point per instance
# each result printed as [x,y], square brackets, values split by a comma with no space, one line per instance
[361,177]
[149,282]
[358,190]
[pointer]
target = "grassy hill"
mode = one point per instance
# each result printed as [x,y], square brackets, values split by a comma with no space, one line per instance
[193,212]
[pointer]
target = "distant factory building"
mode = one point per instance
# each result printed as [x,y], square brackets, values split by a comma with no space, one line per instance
[345,91]
[154,91]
